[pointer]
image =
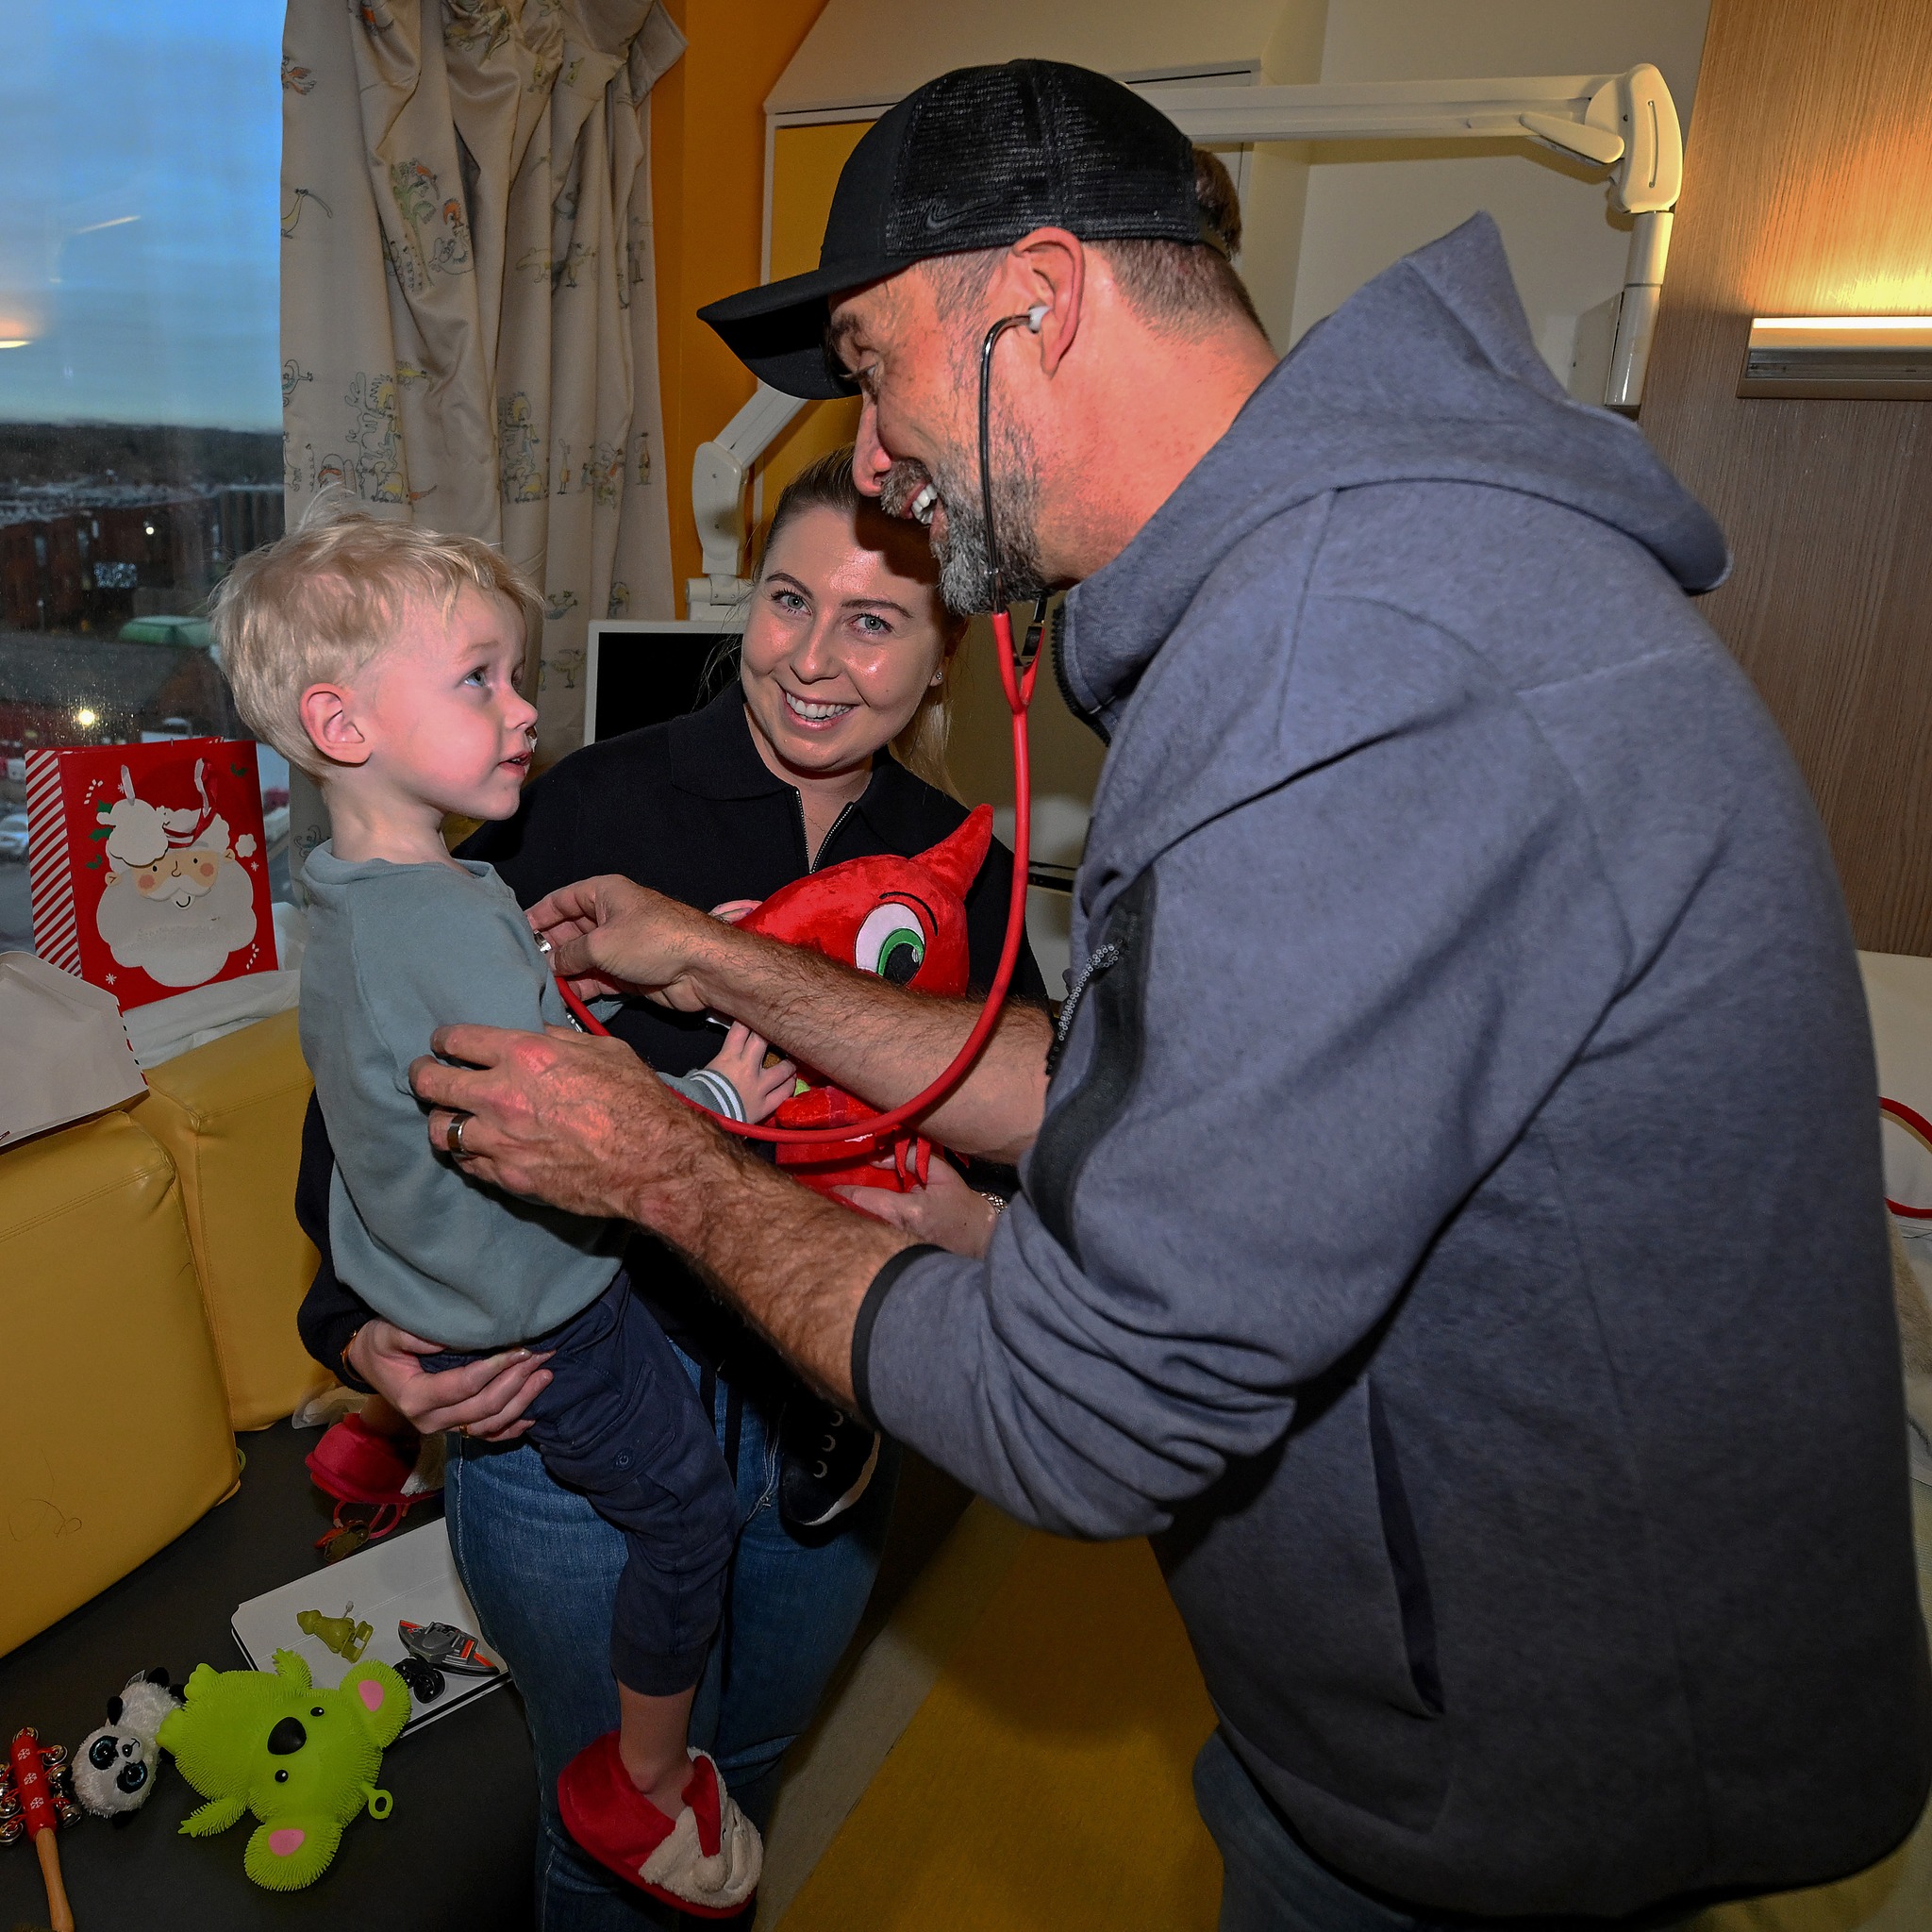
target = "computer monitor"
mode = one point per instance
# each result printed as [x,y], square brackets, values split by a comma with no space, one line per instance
[642,673]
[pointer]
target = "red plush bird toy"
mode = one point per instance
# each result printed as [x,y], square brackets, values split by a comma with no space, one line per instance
[904,919]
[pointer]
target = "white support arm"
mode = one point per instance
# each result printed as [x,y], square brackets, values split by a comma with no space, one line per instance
[1626,122]
[718,475]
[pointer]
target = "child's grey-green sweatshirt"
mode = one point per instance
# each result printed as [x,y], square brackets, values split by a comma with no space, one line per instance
[394,952]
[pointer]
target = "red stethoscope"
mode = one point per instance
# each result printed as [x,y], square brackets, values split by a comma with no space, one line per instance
[1017,668]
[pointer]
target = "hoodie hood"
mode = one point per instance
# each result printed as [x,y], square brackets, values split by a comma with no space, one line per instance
[1427,374]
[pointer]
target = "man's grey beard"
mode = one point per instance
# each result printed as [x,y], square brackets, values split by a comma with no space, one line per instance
[962,550]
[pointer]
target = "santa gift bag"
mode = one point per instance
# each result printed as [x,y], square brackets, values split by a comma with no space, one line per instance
[147,866]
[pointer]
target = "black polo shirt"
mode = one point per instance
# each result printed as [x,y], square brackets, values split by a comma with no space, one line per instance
[689,809]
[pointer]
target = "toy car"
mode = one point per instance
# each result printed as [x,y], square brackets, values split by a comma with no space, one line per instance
[445,1648]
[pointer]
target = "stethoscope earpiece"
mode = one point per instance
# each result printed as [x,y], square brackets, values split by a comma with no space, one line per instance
[1035,316]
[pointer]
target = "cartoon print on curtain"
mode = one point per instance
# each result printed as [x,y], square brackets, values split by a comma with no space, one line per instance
[468,316]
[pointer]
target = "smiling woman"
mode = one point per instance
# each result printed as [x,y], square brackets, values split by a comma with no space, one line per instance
[847,646]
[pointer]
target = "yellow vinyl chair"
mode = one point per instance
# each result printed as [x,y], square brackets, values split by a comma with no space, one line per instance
[230,1114]
[113,1428]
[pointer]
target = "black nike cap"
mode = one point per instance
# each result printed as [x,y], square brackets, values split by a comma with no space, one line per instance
[974,160]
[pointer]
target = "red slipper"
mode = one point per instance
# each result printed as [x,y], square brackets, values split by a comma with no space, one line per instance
[706,1863]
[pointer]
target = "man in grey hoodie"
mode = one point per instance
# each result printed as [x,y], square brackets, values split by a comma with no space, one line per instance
[1452,1227]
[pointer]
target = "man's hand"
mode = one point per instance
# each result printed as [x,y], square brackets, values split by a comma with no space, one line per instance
[582,1123]
[610,935]
[485,1399]
[559,1116]
[882,1043]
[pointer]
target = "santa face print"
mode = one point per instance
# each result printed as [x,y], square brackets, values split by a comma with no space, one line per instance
[179,917]
[182,876]
[439,710]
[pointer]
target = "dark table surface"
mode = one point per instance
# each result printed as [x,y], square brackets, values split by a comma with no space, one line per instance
[456,1852]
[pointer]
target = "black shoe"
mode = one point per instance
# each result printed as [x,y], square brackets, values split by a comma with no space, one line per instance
[827,1460]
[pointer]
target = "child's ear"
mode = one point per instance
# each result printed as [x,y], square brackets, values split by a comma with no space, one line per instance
[328,718]
[291,1851]
[381,1696]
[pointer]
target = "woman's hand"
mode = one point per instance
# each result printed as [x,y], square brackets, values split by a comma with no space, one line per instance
[945,1211]
[612,935]
[485,1399]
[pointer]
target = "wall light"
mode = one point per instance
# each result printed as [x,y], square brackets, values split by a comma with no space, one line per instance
[1849,356]
[87,718]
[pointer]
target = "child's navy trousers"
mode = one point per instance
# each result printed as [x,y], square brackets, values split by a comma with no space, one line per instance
[620,1421]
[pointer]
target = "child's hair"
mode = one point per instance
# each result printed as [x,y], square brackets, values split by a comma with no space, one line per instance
[827,484]
[323,601]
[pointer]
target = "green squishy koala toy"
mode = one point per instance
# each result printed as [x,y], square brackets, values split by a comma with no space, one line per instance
[303,1760]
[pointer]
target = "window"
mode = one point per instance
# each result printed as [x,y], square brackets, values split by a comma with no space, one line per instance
[140,400]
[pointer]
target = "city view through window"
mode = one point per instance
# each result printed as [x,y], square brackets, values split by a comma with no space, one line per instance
[140,400]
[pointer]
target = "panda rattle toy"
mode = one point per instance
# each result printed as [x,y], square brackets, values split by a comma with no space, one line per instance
[115,1769]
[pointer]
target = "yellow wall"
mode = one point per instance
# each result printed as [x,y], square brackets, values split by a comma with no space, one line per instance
[707,181]
[805,170]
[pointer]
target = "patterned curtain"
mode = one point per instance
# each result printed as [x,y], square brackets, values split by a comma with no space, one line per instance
[469,315]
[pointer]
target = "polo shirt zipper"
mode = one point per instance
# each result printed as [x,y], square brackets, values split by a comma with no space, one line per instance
[811,857]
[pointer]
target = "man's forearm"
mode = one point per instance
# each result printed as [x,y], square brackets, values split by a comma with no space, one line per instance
[795,1265]
[881,1041]
[583,1124]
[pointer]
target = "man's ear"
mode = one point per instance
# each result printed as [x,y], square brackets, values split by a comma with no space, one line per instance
[327,716]
[1046,272]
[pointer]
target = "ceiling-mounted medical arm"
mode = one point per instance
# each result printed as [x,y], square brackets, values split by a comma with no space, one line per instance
[1626,122]
[718,475]
[1630,128]
[1646,180]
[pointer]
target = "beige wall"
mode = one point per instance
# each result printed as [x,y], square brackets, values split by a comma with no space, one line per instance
[1368,205]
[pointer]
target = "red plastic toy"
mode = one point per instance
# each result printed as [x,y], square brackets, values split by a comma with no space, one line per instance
[36,1799]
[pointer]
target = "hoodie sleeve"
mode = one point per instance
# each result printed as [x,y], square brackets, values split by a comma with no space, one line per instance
[1331,1011]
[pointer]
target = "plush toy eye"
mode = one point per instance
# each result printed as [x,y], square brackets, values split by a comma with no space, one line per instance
[281,1777]
[101,1753]
[892,942]
[132,1778]
[316,1710]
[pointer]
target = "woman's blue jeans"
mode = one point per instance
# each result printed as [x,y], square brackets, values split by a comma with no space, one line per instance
[542,1568]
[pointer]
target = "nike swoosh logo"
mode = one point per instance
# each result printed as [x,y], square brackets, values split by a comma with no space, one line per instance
[939,217]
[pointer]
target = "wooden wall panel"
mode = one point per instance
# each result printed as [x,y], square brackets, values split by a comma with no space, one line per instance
[1808,190]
